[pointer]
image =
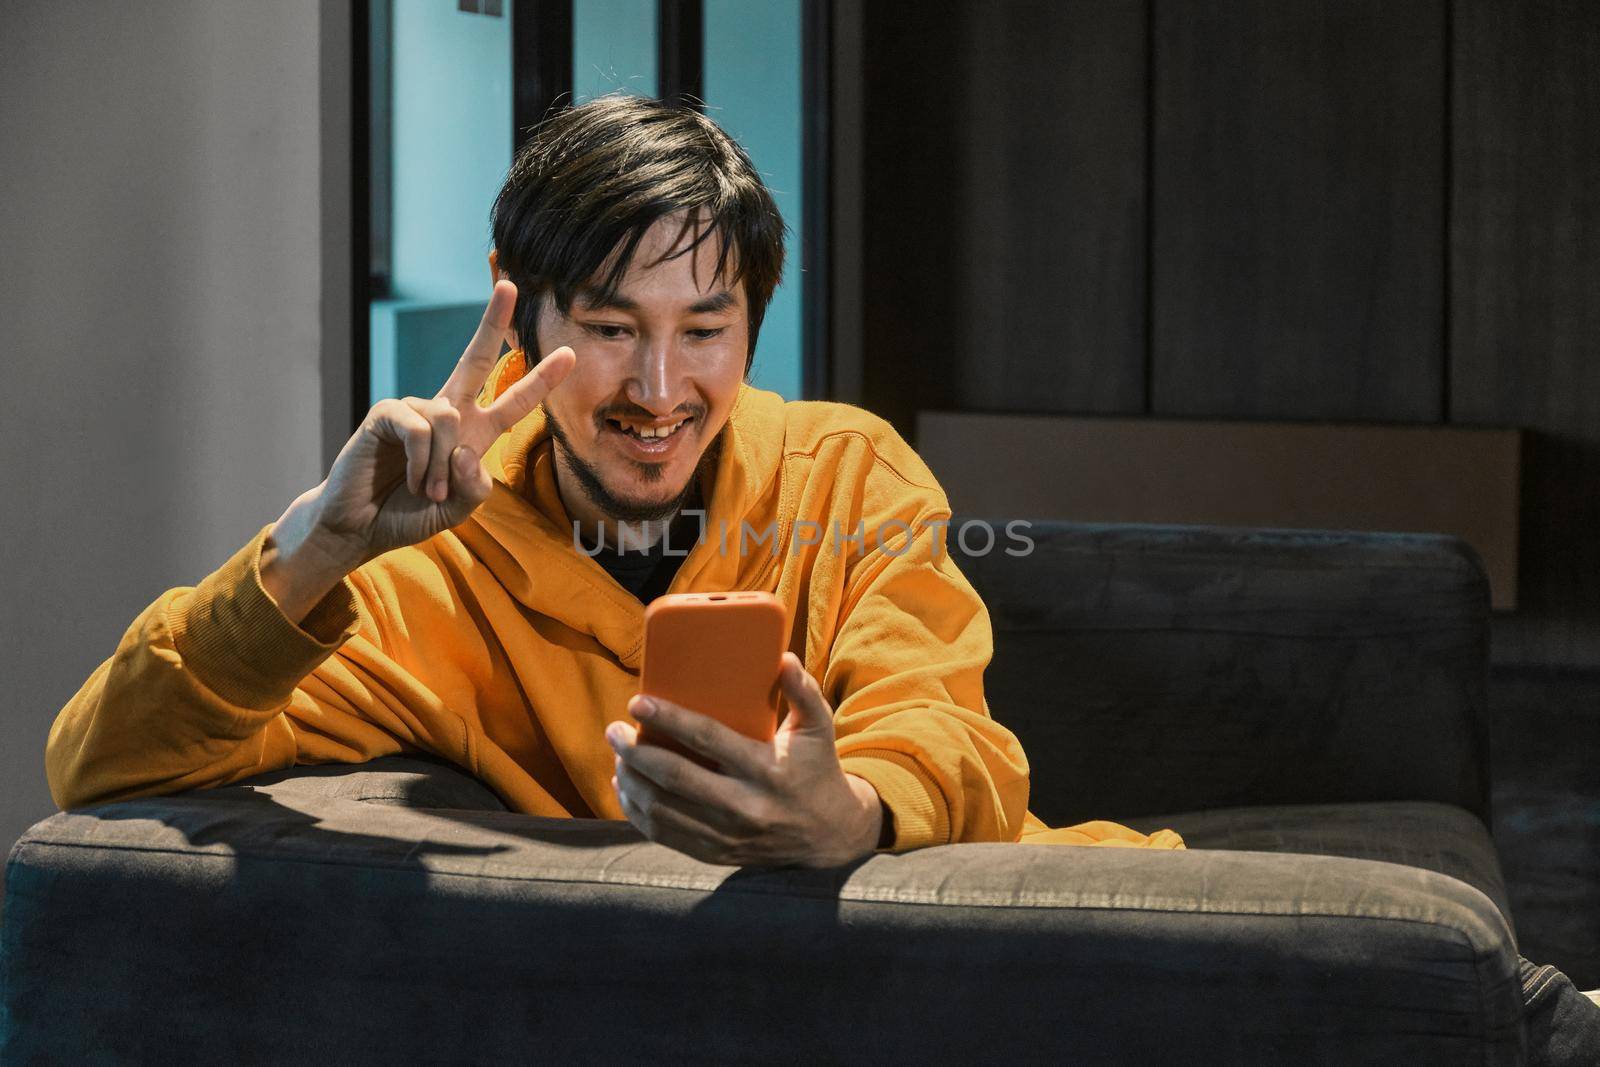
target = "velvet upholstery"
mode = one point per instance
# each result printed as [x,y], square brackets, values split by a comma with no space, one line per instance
[395,910]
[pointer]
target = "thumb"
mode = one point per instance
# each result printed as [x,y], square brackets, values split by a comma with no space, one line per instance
[808,708]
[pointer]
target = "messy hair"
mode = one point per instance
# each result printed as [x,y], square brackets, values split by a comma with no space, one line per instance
[593,178]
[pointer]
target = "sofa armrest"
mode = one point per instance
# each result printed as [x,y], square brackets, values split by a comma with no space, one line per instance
[255,923]
[1153,669]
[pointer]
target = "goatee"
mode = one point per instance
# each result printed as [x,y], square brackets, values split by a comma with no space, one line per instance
[616,507]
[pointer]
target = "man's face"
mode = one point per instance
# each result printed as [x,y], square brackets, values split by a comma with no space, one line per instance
[665,359]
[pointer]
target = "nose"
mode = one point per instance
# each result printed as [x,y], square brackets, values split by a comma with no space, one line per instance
[654,379]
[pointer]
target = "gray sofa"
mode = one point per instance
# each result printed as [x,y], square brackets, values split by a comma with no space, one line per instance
[1307,709]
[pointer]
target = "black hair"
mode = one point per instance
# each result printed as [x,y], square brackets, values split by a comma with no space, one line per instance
[590,181]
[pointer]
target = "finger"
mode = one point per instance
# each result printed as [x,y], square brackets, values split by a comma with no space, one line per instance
[470,480]
[669,819]
[725,801]
[445,424]
[808,708]
[483,351]
[398,422]
[527,394]
[665,834]
[742,756]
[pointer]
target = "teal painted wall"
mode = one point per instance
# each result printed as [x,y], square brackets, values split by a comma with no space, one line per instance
[452,146]
[613,48]
[451,92]
[752,89]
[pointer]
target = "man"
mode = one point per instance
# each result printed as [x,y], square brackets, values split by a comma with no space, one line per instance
[455,585]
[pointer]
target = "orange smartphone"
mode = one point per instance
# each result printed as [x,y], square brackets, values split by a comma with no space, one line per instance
[718,654]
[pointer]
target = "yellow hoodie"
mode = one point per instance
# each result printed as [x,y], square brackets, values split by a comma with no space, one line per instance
[498,646]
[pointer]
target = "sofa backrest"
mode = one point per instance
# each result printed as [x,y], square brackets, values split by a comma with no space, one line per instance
[1159,669]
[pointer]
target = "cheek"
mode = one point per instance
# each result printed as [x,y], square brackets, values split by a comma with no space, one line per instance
[720,390]
[580,393]
[724,377]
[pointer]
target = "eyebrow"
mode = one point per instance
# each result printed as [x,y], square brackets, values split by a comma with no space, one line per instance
[722,301]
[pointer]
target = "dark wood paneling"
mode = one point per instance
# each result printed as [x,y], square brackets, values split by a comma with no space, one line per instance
[1003,203]
[1525,293]
[1054,235]
[1297,244]
[1423,479]
[841,350]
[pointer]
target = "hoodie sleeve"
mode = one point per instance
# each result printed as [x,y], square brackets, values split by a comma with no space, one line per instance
[214,683]
[905,676]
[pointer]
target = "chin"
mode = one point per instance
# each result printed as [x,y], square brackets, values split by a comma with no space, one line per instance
[639,491]
[625,492]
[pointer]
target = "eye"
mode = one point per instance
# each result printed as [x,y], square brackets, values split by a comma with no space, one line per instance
[605,330]
[708,333]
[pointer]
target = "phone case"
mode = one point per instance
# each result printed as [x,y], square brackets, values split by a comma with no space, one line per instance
[718,654]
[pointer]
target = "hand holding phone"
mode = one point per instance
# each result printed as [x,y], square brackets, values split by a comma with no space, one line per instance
[781,795]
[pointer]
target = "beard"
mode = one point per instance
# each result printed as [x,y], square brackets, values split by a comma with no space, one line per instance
[612,504]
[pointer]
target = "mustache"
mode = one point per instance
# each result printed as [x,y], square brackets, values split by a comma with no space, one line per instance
[692,411]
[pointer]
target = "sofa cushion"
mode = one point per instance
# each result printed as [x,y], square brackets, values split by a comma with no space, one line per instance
[1434,837]
[403,781]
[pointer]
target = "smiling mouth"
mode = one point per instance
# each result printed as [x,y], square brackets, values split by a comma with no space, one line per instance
[649,443]
[647,432]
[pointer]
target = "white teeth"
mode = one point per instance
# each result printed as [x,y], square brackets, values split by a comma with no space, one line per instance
[650,433]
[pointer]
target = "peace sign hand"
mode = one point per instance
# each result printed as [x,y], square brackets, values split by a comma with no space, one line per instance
[434,446]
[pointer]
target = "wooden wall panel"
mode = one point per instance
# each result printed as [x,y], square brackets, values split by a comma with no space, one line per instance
[1004,206]
[1525,293]
[1297,220]
[1054,241]
[1307,476]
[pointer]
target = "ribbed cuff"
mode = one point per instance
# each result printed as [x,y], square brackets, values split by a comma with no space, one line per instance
[921,817]
[236,639]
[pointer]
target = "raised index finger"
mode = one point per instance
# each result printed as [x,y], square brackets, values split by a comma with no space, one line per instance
[483,351]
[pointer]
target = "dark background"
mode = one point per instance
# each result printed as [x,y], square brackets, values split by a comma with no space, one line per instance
[1361,211]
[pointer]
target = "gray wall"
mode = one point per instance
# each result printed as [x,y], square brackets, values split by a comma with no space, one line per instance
[163,336]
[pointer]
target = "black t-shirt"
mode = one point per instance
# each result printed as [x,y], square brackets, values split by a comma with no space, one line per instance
[647,574]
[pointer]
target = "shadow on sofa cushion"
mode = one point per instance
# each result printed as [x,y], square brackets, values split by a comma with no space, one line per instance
[403,781]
